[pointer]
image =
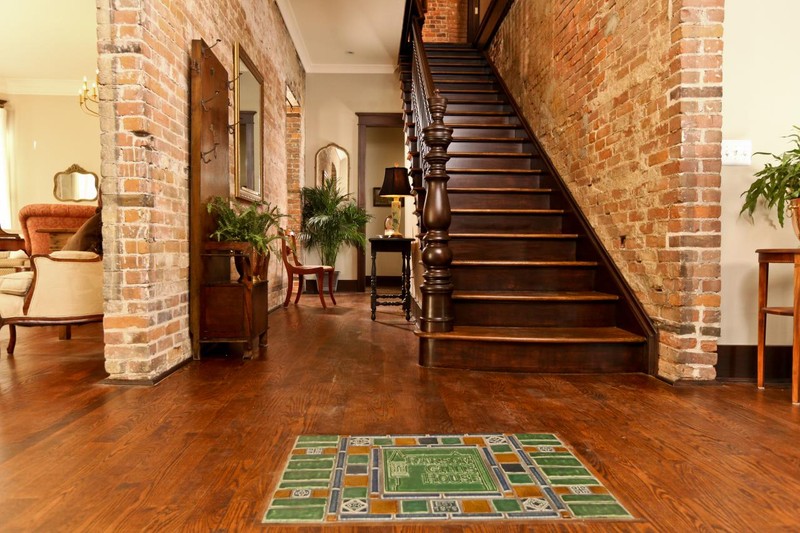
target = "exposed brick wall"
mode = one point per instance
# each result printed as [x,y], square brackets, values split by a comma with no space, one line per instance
[294,165]
[144,51]
[445,21]
[626,99]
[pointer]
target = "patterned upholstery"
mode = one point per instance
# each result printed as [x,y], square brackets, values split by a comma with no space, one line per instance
[34,217]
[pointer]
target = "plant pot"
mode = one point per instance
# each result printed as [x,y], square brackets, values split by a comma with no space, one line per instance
[794,212]
[251,266]
[311,283]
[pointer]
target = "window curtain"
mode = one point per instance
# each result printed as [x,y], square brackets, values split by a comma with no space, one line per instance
[5,185]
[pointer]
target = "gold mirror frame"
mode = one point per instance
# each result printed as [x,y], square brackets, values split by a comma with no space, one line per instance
[248,130]
[60,185]
[328,162]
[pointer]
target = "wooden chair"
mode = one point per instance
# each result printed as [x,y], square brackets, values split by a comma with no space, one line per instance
[295,268]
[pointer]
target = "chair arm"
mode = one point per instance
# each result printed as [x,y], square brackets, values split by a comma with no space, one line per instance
[65,284]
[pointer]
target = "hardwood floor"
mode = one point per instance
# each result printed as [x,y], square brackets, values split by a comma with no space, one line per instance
[201,451]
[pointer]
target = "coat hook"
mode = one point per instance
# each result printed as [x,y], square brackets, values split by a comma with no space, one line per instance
[206,47]
[203,102]
[232,83]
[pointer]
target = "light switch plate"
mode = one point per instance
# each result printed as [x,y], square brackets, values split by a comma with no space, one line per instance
[737,152]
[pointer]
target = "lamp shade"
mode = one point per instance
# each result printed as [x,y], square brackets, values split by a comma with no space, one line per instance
[395,182]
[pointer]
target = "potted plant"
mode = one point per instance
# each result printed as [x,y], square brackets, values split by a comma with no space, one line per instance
[251,230]
[778,185]
[331,220]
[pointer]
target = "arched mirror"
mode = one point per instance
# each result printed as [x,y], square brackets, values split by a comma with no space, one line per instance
[76,184]
[249,127]
[333,161]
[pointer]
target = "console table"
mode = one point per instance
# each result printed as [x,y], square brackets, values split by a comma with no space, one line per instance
[765,257]
[396,245]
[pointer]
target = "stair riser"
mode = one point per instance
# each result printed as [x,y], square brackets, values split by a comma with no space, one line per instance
[486,146]
[522,163]
[501,223]
[534,314]
[445,85]
[513,249]
[493,180]
[444,58]
[523,278]
[462,131]
[459,75]
[455,106]
[490,96]
[539,358]
[451,119]
[499,200]
[471,68]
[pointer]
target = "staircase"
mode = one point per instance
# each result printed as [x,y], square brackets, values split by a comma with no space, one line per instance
[532,292]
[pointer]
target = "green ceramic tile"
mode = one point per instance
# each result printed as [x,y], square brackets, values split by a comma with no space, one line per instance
[558,461]
[357,459]
[537,436]
[383,441]
[355,492]
[306,474]
[451,470]
[310,464]
[318,438]
[414,506]
[451,440]
[587,510]
[548,455]
[563,471]
[506,506]
[519,479]
[292,514]
[588,498]
[304,484]
[298,502]
[569,481]
[501,448]
[303,445]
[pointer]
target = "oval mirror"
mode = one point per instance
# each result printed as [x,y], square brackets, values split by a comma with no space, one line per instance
[76,184]
[248,129]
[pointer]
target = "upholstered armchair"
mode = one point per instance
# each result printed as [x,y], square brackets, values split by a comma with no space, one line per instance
[63,288]
[34,217]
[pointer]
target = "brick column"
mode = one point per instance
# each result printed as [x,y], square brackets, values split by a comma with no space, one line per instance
[445,22]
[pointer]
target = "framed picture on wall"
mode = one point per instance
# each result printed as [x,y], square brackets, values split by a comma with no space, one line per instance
[384,201]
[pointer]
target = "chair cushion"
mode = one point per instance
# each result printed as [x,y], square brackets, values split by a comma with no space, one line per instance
[16,284]
[69,254]
[88,238]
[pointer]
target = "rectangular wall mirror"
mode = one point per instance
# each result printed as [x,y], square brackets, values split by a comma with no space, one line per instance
[249,127]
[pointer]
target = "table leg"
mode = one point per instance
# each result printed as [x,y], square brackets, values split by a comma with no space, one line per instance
[796,334]
[407,284]
[373,283]
[763,281]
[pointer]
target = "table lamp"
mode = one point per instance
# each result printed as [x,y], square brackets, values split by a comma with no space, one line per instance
[395,185]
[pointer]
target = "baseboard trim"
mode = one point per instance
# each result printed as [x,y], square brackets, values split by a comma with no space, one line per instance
[738,363]
[344,285]
[146,382]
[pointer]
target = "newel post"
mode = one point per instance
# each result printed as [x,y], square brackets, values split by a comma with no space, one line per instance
[437,289]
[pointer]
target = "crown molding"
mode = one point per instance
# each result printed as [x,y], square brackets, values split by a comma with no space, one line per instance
[40,87]
[290,20]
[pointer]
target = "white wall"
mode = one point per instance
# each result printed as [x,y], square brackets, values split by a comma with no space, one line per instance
[332,101]
[49,133]
[761,76]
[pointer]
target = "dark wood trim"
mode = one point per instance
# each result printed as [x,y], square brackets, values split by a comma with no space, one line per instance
[386,281]
[343,285]
[368,120]
[146,382]
[3,103]
[495,14]
[473,19]
[738,363]
[631,314]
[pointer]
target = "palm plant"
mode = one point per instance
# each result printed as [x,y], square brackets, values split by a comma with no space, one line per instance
[331,220]
[255,224]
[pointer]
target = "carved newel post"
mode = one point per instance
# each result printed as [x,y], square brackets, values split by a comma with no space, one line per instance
[437,289]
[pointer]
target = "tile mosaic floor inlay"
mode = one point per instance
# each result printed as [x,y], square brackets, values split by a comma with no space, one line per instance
[522,476]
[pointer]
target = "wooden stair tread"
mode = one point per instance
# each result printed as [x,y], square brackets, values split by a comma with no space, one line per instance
[457,139]
[536,296]
[490,154]
[494,171]
[470,91]
[480,114]
[497,190]
[488,125]
[505,211]
[537,335]
[531,236]
[470,101]
[494,262]
[438,72]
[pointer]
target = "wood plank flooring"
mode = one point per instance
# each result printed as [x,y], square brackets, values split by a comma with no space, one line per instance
[201,451]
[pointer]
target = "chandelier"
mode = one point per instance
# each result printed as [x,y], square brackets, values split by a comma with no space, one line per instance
[88,99]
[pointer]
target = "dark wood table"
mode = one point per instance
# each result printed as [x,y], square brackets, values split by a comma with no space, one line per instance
[765,257]
[397,245]
[10,242]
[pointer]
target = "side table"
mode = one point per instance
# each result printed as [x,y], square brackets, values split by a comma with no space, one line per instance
[392,244]
[765,257]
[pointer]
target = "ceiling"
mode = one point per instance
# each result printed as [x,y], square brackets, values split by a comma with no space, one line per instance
[48,47]
[53,44]
[345,36]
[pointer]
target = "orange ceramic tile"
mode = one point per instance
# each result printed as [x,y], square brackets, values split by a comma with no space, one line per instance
[405,441]
[506,457]
[353,450]
[598,490]
[382,507]
[329,451]
[476,506]
[319,493]
[560,449]
[530,449]
[356,481]
[474,440]
[562,490]
[298,452]
[283,493]
[527,491]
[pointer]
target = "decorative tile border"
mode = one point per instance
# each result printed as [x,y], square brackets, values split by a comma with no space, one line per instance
[336,478]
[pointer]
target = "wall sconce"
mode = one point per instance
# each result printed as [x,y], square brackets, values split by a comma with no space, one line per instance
[88,100]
